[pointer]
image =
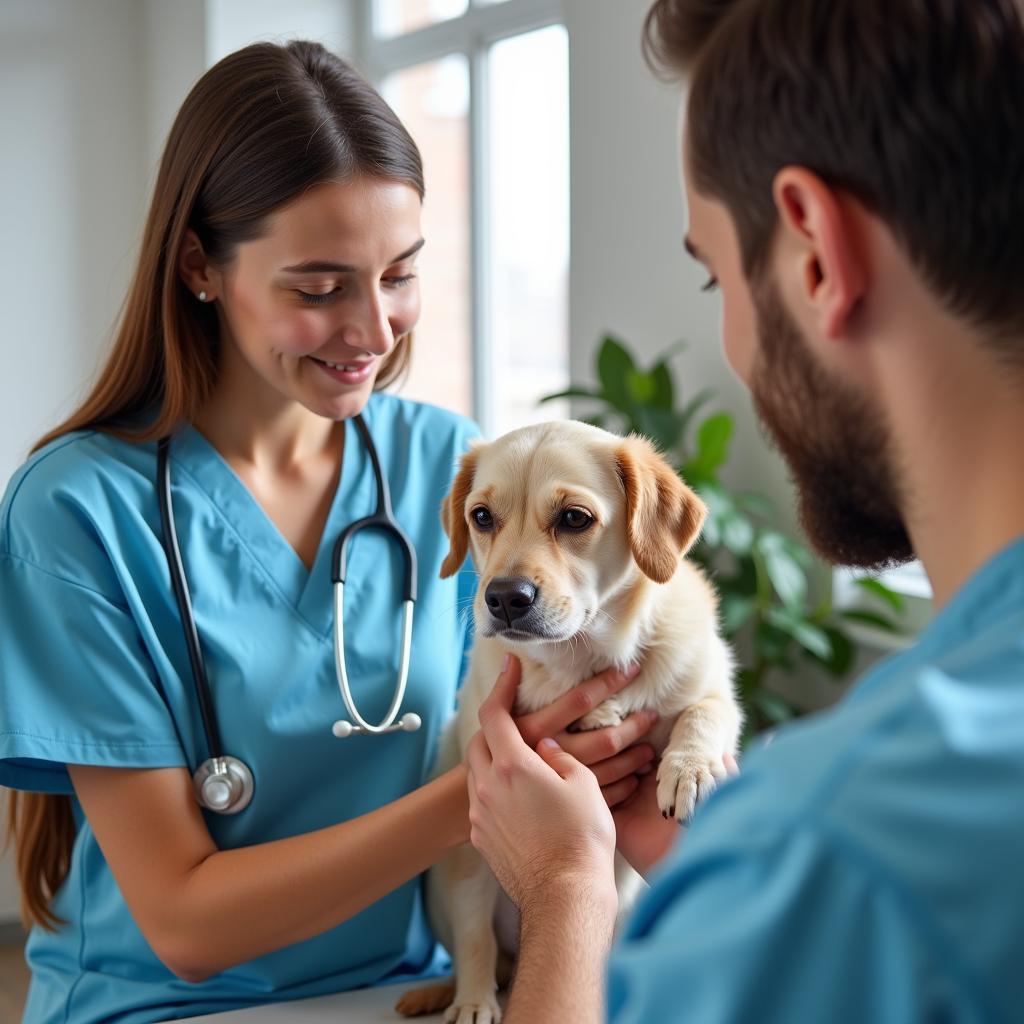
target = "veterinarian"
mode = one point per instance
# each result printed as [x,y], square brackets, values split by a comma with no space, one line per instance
[854,176]
[275,294]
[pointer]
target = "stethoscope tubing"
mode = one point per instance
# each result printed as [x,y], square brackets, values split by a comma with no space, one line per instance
[223,783]
[181,593]
[387,724]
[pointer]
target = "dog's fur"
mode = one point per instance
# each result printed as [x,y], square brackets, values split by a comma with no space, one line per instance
[616,592]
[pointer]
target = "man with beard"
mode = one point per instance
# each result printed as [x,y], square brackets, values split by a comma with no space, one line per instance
[854,176]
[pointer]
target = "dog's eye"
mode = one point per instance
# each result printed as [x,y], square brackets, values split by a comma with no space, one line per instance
[483,518]
[575,519]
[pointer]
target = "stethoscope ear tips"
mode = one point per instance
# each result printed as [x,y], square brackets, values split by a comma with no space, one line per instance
[407,723]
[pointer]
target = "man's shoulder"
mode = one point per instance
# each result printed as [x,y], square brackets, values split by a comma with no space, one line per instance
[886,830]
[922,724]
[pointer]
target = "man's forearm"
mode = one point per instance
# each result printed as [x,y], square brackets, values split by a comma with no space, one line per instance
[563,947]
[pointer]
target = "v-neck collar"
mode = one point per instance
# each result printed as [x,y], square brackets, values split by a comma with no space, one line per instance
[306,590]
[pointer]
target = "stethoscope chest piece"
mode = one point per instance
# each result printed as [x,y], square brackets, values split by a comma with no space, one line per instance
[223,785]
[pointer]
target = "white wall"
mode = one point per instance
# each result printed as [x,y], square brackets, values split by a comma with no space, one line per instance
[71,196]
[71,190]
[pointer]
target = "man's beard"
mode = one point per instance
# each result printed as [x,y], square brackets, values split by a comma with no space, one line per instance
[835,443]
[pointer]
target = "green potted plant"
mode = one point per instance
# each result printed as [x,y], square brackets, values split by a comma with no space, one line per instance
[762,576]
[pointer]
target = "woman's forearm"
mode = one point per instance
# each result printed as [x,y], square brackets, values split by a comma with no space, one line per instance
[240,904]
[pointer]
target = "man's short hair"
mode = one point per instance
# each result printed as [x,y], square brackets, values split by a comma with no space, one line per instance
[915,107]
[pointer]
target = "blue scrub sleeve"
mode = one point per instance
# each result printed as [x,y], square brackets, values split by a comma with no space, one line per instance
[794,927]
[76,684]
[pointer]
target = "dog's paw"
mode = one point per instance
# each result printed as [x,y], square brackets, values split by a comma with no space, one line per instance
[608,712]
[684,780]
[479,1010]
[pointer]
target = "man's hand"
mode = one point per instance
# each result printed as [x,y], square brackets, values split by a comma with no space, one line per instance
[539,818]
[613,754]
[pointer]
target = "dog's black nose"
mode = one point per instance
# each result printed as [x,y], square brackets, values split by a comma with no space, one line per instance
[510,598]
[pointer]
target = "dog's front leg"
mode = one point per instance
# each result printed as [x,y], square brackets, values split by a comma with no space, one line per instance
[468,891]
[692,762]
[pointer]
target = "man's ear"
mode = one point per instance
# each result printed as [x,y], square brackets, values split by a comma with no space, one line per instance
[822,222]
[663,516]
[453,515]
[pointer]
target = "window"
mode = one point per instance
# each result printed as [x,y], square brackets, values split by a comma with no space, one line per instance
[482,86]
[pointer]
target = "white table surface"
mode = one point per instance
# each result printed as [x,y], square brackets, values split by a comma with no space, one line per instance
[363,1006]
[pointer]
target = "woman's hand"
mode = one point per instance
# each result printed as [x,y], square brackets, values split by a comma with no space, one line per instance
[643,834]
[539,818]
[610,752]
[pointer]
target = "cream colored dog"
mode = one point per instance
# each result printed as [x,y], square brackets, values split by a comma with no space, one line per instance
[579,537]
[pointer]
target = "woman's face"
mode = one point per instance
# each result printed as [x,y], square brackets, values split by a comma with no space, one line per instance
[311,309]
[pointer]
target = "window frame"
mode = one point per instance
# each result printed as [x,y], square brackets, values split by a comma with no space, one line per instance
[471,34]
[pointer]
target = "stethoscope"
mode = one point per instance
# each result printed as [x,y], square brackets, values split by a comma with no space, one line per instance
[222,783]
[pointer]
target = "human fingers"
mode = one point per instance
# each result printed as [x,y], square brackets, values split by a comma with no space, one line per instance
[612,769]
[478,757]
[572,706]
[619,792]
[563,762]
[725,769]
[499,730]
[597,745]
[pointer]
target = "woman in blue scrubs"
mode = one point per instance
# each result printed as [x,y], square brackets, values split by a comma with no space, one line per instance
[274,298]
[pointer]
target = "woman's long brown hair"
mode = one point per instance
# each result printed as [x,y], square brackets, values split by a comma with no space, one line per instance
[256,131]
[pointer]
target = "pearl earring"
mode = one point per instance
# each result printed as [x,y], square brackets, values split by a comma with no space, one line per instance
[202,296]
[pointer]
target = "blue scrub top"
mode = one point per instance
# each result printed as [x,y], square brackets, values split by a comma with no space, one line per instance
[868,866]
[94,670]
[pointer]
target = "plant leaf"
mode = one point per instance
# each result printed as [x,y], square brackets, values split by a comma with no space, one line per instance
[809,636]
[571,393]
[786,574]
[738,534]
[614,366]
[663,396]
[756,504]
[774,707]
[712,532]
[712,447]
[692,408]
[735,612]
[843,651]
[879,589]
[660,425]
[640,389]
[872,619]
[772,642]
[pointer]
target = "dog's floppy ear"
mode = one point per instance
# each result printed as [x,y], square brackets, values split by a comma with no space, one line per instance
[663,515]
[453,515]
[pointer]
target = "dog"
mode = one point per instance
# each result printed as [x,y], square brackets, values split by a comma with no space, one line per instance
[578,536]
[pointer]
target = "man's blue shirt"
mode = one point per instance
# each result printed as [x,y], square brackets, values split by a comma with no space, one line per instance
[868,866]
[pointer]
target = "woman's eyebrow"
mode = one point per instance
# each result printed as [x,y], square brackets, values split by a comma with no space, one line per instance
[326,267]
[692,249]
